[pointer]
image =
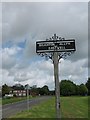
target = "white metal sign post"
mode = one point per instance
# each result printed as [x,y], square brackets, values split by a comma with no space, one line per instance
[57,89]
[56,48]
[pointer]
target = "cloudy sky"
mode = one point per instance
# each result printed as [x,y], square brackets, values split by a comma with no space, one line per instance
[25,23]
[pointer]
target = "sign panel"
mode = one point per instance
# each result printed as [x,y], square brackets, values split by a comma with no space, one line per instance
[57,45]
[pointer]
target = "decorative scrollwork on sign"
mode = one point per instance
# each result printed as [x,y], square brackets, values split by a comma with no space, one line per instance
[55,38]
[56,44]
[55,48]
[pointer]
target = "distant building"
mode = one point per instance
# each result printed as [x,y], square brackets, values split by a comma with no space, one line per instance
[0,91]
[19,93]
[8,95]
[19,90]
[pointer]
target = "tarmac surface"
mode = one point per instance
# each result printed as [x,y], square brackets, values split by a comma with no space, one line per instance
[0,112]
[12,109]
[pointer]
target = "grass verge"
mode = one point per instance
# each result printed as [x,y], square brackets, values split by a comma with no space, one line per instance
[71,107]
[13,100]
[0,101]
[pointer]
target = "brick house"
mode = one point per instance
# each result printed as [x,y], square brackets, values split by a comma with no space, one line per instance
[19,93]
[0,91]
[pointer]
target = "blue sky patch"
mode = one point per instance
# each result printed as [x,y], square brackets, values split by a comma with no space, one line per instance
[7,44]
[21,44]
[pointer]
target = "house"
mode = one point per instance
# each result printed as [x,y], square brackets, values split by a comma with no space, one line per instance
[0,91]
[19,93]
[8,95]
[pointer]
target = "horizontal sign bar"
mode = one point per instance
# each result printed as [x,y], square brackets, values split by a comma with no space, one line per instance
[53,46]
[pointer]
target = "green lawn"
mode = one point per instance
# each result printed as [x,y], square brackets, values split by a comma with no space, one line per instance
[74,107]
[0,101]
[71,107]
[12,100]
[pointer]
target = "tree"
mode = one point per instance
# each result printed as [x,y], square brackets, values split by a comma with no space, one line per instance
[44,90]
[88,85]
[77,90]
[52,92]
[83,89]
[18,87]
[67,88]
[5,89]
[34,90]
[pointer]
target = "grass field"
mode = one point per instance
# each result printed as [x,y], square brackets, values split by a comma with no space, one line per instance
[0,101]
[12,100]
[71,107]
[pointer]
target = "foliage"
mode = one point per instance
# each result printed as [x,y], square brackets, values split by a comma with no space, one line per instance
[44,90]
[88,85]
[5,89]
[33,91]
[12,100]
[83,89]
[67,88]
[18,87]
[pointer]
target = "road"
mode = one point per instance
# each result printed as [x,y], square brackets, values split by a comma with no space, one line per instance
[12,109]
[0,112]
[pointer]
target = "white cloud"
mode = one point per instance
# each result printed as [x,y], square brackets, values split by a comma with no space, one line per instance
[41,72]
[74,71]
[7,79]
[0,77]
[8,56]
[41,20]
[38,21]
[0,23]
[10,51]
[45,0]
